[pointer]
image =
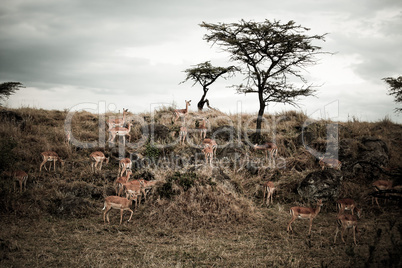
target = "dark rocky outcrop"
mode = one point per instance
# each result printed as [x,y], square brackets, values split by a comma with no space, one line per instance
[324,184]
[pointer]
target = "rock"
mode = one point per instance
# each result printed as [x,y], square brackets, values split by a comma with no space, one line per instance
[374,150]
[372,153]
[324,184]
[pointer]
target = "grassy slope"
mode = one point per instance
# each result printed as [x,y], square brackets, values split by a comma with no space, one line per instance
[217,221]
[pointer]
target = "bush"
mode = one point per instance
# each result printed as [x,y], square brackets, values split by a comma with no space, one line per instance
[176,183]
[7,156]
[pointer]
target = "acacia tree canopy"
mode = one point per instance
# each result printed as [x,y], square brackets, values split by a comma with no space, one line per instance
[273,54]
[205,74]
[9,88]
[395,89]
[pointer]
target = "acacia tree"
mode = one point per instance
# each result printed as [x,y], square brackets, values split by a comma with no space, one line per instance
[395,89]
[9,88]
[205,74]
[273,53]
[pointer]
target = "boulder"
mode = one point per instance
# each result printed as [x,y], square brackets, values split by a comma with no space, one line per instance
[324,184]
[373,150]
[372,154]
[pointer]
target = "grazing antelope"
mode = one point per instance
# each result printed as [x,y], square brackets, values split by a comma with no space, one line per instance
[50,157]
[269,189]
[134,188]
[21,177]
[330,162]
[347,204]
[120,131]
[125,164]
[97,159]
[181,112]
[346,221]
[203,129]
[268,147]
[118,122]
[117,202]
[118,183]
[209,154]
[211,143]
[147,186]
[304,213]
[67,137]
[381,185]
[183,134]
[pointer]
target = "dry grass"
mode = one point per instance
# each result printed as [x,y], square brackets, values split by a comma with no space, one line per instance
[196,215]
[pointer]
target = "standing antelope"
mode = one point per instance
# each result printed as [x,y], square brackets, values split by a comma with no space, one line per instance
[118,183]
[97,159]
[134,188]
[347,204]
[182,134]
[211,143]
[21,177]
[181,112]
[346,221]
[120,131]
[203,129]
[209,154]
[118,122]
[271,147]
[330,162]
[67,137]
[147,186]
[125,164]
[117,202]
[304,213]
[381,185]
[269,189]
[50,157]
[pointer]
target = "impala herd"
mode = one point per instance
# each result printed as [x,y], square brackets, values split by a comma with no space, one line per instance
[134,189]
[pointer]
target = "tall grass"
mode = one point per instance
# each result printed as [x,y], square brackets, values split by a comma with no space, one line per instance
[196,215]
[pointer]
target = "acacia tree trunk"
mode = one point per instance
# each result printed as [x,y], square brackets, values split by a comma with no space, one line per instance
[202,102]
[260,117]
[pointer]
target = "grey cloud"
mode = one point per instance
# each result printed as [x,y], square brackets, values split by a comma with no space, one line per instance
[74,43]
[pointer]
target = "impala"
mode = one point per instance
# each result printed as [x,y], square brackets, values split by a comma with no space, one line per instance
[134,188]
[268,147]
[22,178]
[97,159]
[269,189]
[209,154]
[304,213]
[67,137]
[125,164]
[347,204]
[118,183]
[183,134]
[120,132]
[211,143]
[50,157]
[346,221]
[381,185]
[181,112]
[203,129]
[147,186]
[330,162]
[118,122]
[117,202]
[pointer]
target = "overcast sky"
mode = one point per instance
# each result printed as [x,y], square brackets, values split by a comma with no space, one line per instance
[132,54]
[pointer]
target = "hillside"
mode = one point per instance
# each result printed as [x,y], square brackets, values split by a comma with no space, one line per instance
[196,215]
